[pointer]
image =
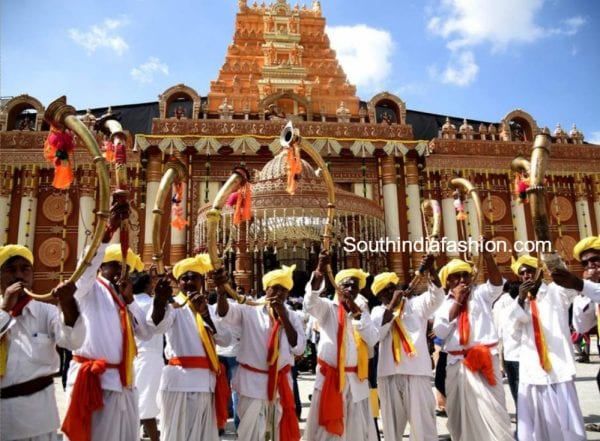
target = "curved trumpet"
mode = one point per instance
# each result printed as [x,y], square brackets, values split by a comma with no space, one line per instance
[60,114]
[466,186]
[536,169]
[429,207]
[290,138]
[238,178]
[175,171]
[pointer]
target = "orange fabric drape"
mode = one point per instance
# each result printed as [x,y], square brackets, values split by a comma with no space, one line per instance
[289,429]
[273,355]
[464,327]
[222,391]
[540,339]
[341,346]
[400,337]
[479,358]
[331,407]
[86,398]
[129,346]
[294,170]
[243,205]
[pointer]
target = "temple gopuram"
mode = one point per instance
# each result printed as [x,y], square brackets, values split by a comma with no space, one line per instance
[384,159]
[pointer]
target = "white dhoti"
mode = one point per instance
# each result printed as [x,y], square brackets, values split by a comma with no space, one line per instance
[188,416]
[148,366]
[20,419]
[407,398]
[549,413]
[358,420]
[118,418]
[476,409]
[255,419]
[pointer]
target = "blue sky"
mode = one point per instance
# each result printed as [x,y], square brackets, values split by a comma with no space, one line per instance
[478,59]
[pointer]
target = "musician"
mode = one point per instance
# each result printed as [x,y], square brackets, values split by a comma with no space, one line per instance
[100,381]
[475,396]
[340,407]
[194,389]
[29,333]
[270,337]
[548,407]
[404,367]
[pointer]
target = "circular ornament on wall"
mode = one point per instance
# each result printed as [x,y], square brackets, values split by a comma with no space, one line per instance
[561,208]
[54,207]
[494,211]
[564,245]
[502,252]
[50,252]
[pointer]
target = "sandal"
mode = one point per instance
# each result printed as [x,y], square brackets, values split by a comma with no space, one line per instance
[592,427]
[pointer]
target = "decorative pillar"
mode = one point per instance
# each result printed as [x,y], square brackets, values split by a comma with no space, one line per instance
[6,186]
[519,224]
[391,210]
[582,208]
[153,175]
[87,203]
[28,213]
[413,198]
[449,215]
[243,261]
[596,196]
[178,249]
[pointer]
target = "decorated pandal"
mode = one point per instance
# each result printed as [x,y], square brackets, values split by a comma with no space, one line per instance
[288,228]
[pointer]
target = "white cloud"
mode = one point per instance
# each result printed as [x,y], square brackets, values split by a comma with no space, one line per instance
[461,71]
[101,36]
[145,72]
[570,26]
[364,53]
[594,137]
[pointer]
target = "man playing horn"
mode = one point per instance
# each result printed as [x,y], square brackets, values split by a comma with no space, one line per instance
[404,367]
[103,401]
[29,333]
[475,396]
[340,408]
[270,337]
[586,251]
[548,407]
[194,389]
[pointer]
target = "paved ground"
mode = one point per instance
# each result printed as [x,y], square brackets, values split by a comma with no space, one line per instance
[589,399]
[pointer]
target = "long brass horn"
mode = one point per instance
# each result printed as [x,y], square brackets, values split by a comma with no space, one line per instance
[430,208]
[536,169]
[60,114]
[290,138]
[465,185]
[175,171]
[238,178]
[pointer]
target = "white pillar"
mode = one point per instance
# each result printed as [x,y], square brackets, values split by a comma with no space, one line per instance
[28,211]
[450,226]
[584,222]
[473,229]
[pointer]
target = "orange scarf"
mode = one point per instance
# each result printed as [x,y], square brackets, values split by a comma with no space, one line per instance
[273,354]
[129,346]
[464,327]
[400,337]
[540,339]
[294,169]
[222,392]
[341,346]
[15,312]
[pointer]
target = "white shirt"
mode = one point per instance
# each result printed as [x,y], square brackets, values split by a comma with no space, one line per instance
[584,314]
[255,328]
[483,331]
[417,311]
[232,349]
[325,311]
[103,338]
[505,327]
[553,306]
[32,338]
[183,340]
[155,344]
[592,290]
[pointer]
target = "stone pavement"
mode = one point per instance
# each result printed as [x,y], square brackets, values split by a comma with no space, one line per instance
[587,391]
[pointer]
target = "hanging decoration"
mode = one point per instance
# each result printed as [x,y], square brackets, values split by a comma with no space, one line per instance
[459,207]
[294,169]
[522,184]
[178,221]
[58,149]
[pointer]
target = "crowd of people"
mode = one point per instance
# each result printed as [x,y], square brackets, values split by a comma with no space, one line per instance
[160,352]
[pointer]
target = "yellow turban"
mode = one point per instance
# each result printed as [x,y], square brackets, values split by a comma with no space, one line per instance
[382,280]
[9,251]
[199,264]
[356,273]
[452,267]
[113,254]
[523,260]
[281,277]
[589,243]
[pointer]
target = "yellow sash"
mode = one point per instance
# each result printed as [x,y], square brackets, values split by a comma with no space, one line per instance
[400,338]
